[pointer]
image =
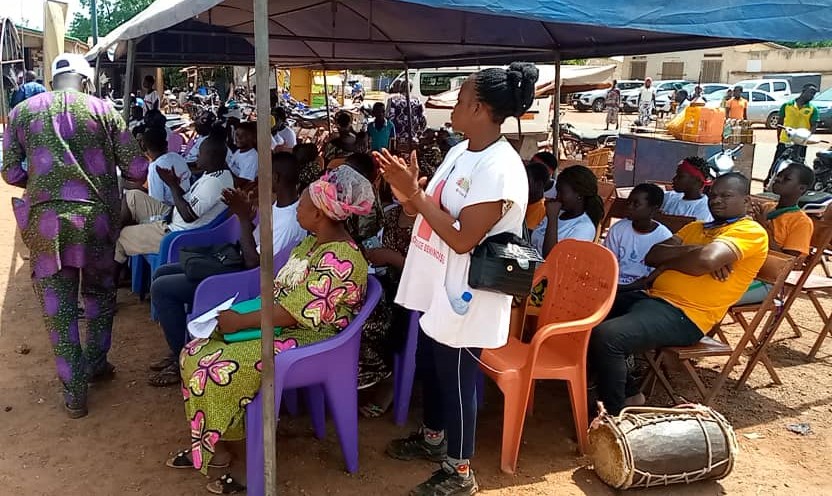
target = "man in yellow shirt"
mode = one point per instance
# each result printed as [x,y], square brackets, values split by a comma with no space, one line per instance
[737,107]
[699,273]
[797,113]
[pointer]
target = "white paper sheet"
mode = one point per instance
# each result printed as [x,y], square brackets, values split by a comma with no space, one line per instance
[204,325]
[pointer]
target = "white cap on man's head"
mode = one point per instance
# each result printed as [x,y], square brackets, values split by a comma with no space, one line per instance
[72,62]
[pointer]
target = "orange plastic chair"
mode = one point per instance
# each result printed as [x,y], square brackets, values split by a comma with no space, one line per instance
[581,283]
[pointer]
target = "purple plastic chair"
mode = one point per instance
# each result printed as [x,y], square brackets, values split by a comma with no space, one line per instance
[329,371]
[404,370]
[216,289]
[228,231]
[156,260]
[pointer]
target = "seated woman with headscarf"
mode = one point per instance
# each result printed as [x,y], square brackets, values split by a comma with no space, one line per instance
[316,294]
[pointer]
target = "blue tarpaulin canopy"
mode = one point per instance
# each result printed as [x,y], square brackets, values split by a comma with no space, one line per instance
[364,33]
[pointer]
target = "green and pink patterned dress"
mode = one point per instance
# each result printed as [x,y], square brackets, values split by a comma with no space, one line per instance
[323,287]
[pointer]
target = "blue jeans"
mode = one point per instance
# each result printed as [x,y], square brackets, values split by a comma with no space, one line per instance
[637,323]
[172,292]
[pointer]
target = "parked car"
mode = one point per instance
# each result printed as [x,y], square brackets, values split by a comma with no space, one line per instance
[707,88]
[664,91]
[823,101]
[594,99]
[762,107]
[783,86]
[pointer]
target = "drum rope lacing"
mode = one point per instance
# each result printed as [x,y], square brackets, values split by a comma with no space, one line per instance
[647,479]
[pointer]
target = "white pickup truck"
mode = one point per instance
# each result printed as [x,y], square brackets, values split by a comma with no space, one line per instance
[781,86]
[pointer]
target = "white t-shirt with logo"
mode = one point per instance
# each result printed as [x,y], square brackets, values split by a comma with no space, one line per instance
[286,231]
[157,188]
[630,247]
[675,204]
[580,228]
[205,198]
[433,273]
[244,164]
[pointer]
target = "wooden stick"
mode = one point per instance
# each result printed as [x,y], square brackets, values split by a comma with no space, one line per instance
[264,176]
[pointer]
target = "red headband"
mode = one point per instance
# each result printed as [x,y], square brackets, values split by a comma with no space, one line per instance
[685,166]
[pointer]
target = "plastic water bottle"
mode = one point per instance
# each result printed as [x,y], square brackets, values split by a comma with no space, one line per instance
[460,305]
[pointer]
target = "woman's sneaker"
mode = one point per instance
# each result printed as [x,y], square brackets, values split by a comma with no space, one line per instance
[447,482]
[415,447]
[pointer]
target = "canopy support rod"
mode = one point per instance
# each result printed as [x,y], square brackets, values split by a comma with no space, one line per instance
[409,109]
[128,78]
[556,118]
[97,80]
[264,175]
[326,100]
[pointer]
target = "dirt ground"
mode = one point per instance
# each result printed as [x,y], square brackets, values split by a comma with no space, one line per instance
[121,446]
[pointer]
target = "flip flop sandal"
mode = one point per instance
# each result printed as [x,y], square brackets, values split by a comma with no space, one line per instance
[225,485]
[371,410]
[166,377]
[183,460]
[163,363]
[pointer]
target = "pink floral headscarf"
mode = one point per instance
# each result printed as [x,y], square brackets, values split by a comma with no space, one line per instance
[341,193]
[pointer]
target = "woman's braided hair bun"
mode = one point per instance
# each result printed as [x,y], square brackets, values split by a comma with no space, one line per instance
[509,92]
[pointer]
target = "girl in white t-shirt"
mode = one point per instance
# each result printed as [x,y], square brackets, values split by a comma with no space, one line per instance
[577,210]
[574,214]
[479,190]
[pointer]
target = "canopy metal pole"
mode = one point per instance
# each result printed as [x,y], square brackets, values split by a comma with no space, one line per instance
[409,107]
[556,119]
[128,78]
[264,192]
[326,100]
[97,80]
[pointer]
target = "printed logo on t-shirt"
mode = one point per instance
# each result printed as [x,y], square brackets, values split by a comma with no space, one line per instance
[463,184]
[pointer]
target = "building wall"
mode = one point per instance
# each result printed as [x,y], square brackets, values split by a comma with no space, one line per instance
[739,62]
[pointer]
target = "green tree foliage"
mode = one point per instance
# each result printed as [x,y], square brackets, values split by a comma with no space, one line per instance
[111,14]
[814,44]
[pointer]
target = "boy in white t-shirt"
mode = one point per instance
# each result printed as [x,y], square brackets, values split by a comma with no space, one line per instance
[632,238]
[282,134]
[156,145]
[244,161]
[687,198]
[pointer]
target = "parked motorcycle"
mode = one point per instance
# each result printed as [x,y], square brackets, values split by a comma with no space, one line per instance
[823,171]
[797,136]
[722,162]
[576,142]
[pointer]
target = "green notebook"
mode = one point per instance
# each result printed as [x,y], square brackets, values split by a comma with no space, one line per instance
[252,333]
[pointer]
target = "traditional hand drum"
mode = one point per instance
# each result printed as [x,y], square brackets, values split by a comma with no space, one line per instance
[645,447]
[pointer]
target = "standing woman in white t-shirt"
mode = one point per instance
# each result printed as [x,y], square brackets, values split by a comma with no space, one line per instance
[479,190]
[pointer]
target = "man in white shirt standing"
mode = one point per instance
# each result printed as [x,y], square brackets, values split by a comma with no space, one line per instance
[282,131]
[171,290]
[646,102]
[194,208]
[151,96]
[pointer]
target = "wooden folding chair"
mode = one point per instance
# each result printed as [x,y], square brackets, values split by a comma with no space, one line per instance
[674,222]
[775,270]
[608,194]
[803,281]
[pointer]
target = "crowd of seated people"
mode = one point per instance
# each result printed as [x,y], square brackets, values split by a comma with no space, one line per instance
[333,206]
